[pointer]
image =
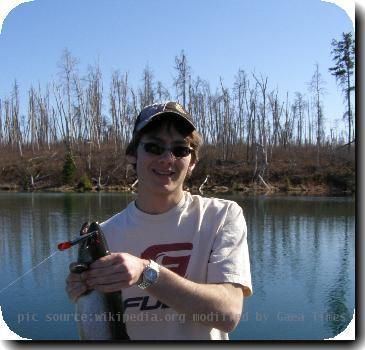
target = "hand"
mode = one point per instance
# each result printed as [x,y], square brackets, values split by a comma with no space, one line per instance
[75,286]
[114,272]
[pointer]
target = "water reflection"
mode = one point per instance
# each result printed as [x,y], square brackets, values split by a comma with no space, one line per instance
[302,261]
[338,313]
[302,256]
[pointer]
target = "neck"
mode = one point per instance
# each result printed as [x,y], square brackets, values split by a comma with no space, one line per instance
[157,204]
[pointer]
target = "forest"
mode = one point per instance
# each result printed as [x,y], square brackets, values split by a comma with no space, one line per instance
[75,131]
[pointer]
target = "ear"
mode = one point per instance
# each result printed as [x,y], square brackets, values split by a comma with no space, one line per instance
[131,159]
[191,167]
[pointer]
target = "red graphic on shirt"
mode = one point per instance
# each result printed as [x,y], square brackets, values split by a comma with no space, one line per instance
[178,264]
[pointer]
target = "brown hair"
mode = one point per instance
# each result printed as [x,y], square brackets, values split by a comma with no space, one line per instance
[192,137]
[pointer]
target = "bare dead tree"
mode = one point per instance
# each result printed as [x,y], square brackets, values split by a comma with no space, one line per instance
[198,101]
[64,95]
[308,137]
[147,93]
[134,103]
[276,108]
[211,136]
[261,122]
[54,126]
[94,98]
[316,87]
[251,101]
[246,117]
[60,115]
[2,141]
[44,112]
[181,82]
[299,106]
[240,93]
[81,109]
[13,116]
[217,114]
[7,123]
[287,130]
[226,123]
[162,93]
[32,122]
[121,109]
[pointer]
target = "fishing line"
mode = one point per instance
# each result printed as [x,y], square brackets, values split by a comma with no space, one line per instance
[61,246]
[33,268]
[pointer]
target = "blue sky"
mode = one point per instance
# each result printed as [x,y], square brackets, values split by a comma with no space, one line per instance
[280,39]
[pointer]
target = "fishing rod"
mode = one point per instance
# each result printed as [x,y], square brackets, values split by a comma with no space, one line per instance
[69,244]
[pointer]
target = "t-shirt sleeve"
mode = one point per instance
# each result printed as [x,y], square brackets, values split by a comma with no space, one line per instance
[229,259]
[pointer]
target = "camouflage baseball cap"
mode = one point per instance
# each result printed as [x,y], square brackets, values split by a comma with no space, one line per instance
[169,108]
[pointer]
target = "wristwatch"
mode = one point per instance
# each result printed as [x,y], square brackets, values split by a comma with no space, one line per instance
[149,275]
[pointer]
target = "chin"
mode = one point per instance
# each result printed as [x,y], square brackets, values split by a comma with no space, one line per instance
[167,188]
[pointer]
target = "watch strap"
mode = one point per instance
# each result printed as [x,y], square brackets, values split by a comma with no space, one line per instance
[144,282]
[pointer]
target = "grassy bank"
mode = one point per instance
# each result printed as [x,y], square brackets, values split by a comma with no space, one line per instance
[294,170]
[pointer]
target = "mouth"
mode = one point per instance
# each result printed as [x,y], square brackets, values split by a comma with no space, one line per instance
[163,173]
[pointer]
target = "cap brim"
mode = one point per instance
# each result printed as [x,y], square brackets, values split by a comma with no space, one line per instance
[161,114]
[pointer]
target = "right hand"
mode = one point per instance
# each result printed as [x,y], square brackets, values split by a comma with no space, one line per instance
[75,286]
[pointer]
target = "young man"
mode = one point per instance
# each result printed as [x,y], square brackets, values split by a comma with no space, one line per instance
[181,260]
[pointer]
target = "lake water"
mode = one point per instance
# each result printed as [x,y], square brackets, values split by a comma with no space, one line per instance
[302,252]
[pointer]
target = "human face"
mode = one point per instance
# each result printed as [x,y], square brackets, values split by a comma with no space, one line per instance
[162,174]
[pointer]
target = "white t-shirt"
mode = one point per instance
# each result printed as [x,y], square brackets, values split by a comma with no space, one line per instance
[201,239]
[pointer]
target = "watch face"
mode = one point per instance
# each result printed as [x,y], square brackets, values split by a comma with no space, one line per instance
[151,275]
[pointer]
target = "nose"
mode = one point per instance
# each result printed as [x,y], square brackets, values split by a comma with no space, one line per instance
[166,156]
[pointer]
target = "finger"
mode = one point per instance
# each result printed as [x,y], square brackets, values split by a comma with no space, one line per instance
[106,261]
[84,275]
[74,286]
[119,277]
[105,271]
[75,291]
[114,287]
[79,289]
[74,277]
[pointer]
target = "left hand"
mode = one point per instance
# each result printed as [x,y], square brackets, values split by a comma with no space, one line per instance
[114,272]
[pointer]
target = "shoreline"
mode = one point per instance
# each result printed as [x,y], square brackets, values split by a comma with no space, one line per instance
[292,171]
[241,189]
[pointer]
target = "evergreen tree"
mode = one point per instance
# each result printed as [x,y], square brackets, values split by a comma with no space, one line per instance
[344,58]
[69,169]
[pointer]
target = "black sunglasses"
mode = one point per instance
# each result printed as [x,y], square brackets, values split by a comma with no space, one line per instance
[156,149]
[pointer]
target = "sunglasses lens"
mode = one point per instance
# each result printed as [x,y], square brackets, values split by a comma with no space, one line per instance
[181,151]
[177,151]
[153,148]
